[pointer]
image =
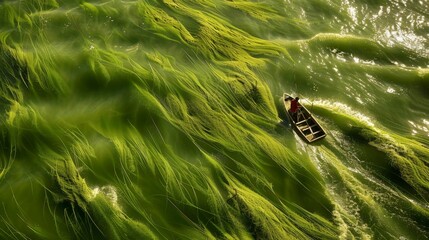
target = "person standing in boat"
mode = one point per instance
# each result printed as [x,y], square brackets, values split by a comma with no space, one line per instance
[294,106]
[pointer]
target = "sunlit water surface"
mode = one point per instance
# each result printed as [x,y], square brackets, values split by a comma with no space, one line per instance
[161,119]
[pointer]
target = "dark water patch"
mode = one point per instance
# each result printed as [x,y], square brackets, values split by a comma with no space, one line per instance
[422,31]
[91,83]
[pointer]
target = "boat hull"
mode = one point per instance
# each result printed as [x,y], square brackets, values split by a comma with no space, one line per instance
[303,121]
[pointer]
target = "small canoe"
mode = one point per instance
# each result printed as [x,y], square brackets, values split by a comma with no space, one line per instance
[303,122]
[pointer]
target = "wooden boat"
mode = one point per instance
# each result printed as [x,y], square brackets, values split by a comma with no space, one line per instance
[303,122]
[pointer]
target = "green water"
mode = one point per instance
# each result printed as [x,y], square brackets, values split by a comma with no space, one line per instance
[161,119]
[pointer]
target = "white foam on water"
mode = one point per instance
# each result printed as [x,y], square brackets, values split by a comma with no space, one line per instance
[345,109]
[109,191]
[390,90]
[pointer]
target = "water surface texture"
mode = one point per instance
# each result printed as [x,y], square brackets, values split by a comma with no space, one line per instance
[161,119]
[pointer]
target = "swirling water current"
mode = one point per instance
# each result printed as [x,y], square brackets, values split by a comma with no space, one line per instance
[161,119]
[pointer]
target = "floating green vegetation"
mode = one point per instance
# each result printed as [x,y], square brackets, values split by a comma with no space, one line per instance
[256,10]
[349,188]
[163,24]
[157,120]
[409,156]
[13,74]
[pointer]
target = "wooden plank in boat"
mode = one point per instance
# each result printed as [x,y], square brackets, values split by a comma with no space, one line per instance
[305,125]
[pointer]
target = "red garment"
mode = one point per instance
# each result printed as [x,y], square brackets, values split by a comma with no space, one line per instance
[293,105]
